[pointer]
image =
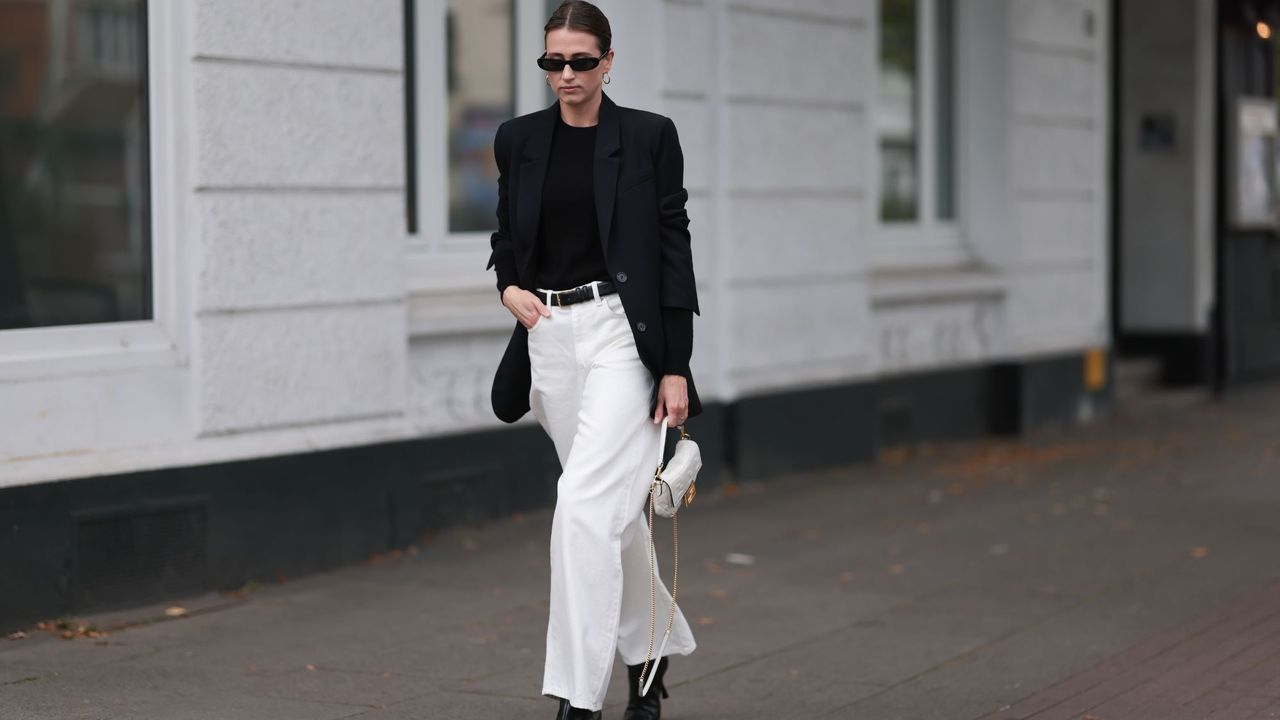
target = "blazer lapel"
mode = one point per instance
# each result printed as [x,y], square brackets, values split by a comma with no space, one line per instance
[607,165]
[533,169]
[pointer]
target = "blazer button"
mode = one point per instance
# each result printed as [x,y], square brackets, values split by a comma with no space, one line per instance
[640,326]
[620,276]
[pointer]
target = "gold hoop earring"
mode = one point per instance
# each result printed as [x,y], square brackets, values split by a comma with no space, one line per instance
[607,77]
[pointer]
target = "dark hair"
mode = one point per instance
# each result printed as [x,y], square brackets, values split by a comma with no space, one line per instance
[581,15]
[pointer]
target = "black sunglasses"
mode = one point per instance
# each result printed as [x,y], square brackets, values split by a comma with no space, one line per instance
[580,64]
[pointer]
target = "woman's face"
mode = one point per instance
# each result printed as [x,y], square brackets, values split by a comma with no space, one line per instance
[576,88]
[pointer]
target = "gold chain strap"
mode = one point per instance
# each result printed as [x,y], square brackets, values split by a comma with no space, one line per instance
[654,488]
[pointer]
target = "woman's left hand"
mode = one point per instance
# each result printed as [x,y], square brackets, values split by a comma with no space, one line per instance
[673,400]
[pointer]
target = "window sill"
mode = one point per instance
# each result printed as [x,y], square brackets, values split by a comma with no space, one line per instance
[41,353]
[907,286]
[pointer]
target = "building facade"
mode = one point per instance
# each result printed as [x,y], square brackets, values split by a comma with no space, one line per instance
[246,327]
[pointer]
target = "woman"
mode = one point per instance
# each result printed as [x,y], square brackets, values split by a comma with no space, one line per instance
[592,258]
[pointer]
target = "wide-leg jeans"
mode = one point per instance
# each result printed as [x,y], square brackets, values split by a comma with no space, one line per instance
[590,392]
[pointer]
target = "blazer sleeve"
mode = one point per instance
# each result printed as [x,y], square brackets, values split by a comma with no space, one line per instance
[677,323]
[677,287]
[502,257]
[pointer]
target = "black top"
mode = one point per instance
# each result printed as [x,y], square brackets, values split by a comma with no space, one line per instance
[569,252]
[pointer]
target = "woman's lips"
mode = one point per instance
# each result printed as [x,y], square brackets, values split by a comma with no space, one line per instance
[575,88]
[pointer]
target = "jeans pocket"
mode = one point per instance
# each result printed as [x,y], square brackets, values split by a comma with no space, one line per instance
[613,301]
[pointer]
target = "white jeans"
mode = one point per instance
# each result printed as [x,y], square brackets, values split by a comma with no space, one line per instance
[590,392]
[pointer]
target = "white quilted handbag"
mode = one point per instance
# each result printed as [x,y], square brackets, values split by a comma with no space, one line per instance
[675,480]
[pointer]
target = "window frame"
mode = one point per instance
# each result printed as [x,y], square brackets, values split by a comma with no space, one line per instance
[927,241]
[61,350]
[437,258]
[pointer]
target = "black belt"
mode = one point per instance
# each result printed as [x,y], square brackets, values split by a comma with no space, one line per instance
[576,295]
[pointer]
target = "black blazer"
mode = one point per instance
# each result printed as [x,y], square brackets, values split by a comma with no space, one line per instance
[640,202]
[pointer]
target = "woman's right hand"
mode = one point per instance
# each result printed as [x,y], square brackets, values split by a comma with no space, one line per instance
[524,305]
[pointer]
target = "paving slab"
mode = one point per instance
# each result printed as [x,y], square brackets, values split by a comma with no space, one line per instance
[1121,570]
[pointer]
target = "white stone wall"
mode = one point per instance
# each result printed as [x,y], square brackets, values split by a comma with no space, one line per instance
[300,316]
[300,181]
[278,174]
[1060,184]
[784,177]
[771,99]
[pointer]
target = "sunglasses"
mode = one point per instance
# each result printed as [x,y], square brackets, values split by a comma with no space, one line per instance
[580,64]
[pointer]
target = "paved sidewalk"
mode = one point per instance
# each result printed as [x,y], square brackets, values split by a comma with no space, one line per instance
[1224,666]
[1122,571]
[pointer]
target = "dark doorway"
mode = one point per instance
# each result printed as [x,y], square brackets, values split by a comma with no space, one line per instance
[1248,269]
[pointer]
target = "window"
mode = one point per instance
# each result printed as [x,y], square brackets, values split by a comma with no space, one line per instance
[74,202]
[915,119]
[481,95]
[469,67]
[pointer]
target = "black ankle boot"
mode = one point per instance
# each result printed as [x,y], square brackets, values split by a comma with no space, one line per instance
[648,707]
[569,712]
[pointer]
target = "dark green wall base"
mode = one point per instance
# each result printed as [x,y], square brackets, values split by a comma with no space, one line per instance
[821,427]
[117,541]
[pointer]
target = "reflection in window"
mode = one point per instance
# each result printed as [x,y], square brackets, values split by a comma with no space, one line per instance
[74,245]
[481,95]
[898,118]
[915,131]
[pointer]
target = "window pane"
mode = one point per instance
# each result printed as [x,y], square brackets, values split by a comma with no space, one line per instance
[897,121]
[946,54]
[74,240]
[481,96]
